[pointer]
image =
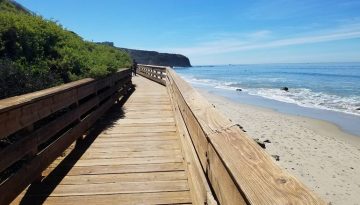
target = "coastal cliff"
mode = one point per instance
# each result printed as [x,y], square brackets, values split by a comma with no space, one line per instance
[155,58]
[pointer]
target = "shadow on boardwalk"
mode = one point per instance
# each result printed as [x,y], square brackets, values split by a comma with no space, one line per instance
[51,181]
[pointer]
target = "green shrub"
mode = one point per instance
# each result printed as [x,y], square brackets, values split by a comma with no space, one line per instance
[32,48]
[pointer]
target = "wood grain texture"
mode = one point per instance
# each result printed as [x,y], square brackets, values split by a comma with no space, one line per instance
[155,149]
[176,197]
[129,157]
[155,73]
[200,189]
[21,111]
[41,146]
[239,171]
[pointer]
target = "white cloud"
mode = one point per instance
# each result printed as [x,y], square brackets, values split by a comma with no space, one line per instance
[260,34]
[259,40]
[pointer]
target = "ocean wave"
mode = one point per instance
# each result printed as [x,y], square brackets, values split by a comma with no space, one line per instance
[307,98]
[211,83]
[300,96]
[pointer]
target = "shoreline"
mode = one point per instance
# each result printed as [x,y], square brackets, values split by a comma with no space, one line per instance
[347,123]
[317,152]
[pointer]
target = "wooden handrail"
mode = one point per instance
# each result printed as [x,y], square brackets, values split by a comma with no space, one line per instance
[237,169]
[40,126]
[155,73]
[225,165]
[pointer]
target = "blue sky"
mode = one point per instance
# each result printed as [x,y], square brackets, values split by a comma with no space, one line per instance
[218,32]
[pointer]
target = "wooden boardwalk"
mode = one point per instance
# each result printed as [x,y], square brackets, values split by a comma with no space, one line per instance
[138,159]
[104,141]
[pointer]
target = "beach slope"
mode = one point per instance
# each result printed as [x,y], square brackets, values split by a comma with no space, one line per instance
[318,153]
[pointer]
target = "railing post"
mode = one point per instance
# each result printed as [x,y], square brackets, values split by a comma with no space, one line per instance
[155,73]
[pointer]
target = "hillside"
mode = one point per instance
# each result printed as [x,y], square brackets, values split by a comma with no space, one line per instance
[36,53]
[155,58]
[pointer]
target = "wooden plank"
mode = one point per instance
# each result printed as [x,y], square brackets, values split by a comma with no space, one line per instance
[142,101]
[18,101]
[225,188]
[121,161]
[120,138]
[130,143]
[153,114]
[143,134]
[21,111]
[145,120]
[205,113]
[199,187]
[149,101]
[198,136]
[137,148]
[118,169]
[143,125]
[103,154]
[176,197]
[258,167]
[146,108]
[112,188]
[27,144]
[128,177]
[141,130]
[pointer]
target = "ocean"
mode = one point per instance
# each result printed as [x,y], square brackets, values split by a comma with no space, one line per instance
[327,91]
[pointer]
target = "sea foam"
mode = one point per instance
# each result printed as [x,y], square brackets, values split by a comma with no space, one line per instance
[304,97]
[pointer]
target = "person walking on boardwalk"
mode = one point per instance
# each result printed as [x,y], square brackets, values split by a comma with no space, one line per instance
[134,67]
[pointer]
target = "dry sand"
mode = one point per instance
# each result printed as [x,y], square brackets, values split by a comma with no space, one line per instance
[323,157]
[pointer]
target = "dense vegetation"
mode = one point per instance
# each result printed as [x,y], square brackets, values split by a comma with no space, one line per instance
[36,53]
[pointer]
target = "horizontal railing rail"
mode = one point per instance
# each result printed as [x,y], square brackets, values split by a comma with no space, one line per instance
[237,169]
[155,73]
[38,127]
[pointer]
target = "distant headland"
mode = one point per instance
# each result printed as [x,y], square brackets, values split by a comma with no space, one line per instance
[155,58]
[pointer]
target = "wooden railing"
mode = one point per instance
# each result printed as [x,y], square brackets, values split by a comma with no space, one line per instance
[155,73]
[237,169]
[36,128]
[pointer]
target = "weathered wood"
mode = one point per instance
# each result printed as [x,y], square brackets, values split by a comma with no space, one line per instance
[17,182]
[33,109]
[174,197]
[131,135]
[21,111]
[102,154]
[118,169]
[129,156]
[200,190]
[117,138]
[18,150]
[236,167]
[145,121]
[141,130]
[198,138]
[139,156]
[130,160]
[225,188]
[127,177]
[113,188]
[155,73]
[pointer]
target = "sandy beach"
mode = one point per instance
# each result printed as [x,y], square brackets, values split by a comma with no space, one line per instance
[322,156]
